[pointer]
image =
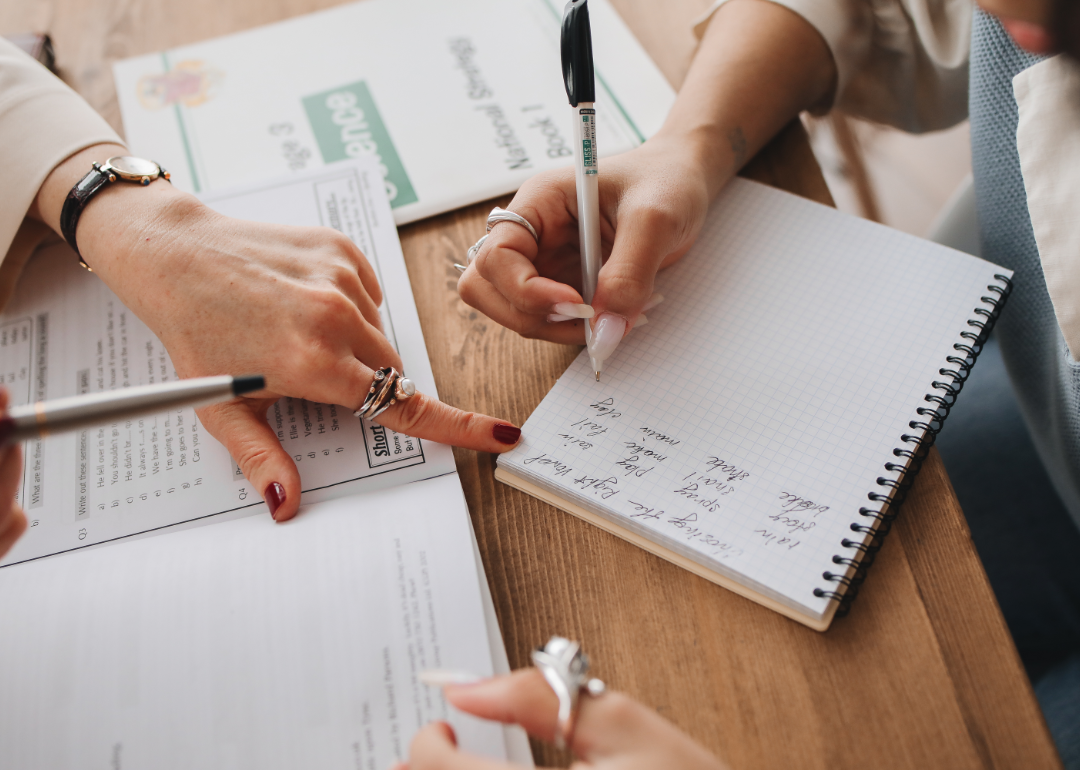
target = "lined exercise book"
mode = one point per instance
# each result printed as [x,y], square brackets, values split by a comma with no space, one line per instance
[773,401]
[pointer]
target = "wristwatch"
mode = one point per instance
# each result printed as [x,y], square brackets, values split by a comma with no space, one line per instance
[122,167]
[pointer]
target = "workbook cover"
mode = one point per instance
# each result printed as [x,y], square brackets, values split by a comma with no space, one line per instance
[459,102]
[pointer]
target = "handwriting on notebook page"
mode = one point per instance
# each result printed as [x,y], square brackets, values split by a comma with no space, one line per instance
[745,427]
[653,476]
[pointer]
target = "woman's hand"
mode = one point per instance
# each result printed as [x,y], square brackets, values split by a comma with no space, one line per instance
[12,518]
[759,64]
[613,731]
[298,305]
[653,202]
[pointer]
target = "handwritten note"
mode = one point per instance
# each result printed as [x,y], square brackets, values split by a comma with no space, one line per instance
[745,425]
[690,486]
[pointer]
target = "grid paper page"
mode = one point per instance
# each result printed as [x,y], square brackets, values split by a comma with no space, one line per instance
[745,424]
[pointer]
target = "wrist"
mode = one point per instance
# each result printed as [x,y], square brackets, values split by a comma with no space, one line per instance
[49,201]
[707,151]
[127,222]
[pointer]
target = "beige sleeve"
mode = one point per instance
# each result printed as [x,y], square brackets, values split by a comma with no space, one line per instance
[42,122]
[903,63]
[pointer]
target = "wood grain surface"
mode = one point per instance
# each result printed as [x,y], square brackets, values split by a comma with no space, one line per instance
[922,674]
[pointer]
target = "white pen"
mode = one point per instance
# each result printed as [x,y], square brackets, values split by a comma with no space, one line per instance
[46,418]
[577,67]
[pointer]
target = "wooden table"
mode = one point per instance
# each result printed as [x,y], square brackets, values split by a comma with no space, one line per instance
[922,674]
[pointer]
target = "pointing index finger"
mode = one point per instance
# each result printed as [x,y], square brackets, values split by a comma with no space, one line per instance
[425,417]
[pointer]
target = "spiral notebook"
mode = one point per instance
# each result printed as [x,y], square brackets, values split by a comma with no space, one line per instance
[760,430]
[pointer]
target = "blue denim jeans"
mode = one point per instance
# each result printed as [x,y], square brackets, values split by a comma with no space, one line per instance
[1028,542]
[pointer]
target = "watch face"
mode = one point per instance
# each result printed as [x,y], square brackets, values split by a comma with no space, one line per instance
[127,166]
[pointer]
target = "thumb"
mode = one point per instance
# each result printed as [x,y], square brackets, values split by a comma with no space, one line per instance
[644,241]
[242,427]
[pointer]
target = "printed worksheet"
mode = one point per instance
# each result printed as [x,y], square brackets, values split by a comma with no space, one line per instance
[250,645]
[66,333]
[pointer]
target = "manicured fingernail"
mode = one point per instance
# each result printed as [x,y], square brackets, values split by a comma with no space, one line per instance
[555,318]
[641,321]
[573,310]
[607,334]
[506,434]
[654,300]
[274,496]
[7,427]
[440,677]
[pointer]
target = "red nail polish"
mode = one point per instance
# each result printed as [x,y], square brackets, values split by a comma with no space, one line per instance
[274,496]
[506,434]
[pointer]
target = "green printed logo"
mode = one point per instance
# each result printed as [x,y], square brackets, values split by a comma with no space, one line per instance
[347,125]
[588,142]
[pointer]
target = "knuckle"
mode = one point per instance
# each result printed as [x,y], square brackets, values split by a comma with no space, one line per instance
[341,243]
[462,422]
[329,306]
[412,413]
[251,455]
[494,262]
[481,260]
[427,413]
[469,288]
[342,273]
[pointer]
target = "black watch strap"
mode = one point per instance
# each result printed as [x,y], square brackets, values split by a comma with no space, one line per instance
[76,201]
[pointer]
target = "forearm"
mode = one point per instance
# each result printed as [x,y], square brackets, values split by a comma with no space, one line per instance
[758,66]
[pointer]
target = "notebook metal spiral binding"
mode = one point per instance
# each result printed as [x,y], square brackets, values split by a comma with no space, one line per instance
[877,523]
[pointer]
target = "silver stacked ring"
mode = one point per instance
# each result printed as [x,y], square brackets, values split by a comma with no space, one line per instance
[387,388]
[565,668]
[497,215]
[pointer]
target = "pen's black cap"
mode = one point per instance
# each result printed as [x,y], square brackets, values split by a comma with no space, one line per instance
[577,62]
[248,384]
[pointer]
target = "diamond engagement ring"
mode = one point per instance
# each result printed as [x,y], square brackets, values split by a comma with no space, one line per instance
[497,215]
[565,668]
[387,388]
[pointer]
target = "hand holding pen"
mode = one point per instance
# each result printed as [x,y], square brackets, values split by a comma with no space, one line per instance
[650,204]
[580,82]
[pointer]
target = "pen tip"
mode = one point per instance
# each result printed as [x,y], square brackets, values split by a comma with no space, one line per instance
[598,376]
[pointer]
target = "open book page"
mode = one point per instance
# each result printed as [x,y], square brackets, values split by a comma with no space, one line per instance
[459,101]
[744,426]
[249,644]
[66,333]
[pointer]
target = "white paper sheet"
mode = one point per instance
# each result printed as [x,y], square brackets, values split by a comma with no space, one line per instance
[460,101]
[248,644]
[66,333]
